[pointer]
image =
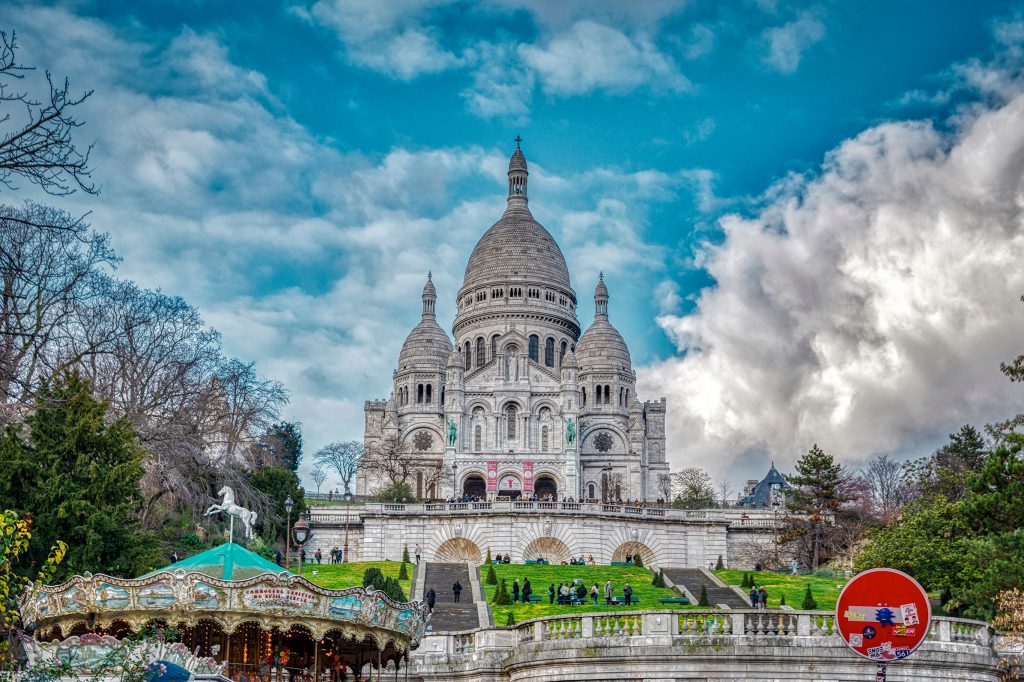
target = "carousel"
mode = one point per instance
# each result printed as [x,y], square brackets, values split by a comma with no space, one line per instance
[231,612]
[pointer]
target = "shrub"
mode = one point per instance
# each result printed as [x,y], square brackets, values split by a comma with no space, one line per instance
[511,620]
[782,602]
[718,564]
[488,558]
[703,601]
[492,577]
[501,595]
[659,579]
[638,560]
[746,582]
[372,577]
[403,572]
[405,554]
[809,603]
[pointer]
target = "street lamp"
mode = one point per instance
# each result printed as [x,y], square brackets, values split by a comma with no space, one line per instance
[302,534]
[348,503]
[288,504]
[455,471]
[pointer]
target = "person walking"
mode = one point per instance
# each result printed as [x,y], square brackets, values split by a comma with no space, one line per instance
[456,590]
[515,590]
[763,598]
[319,555]
[277,557]
[608,593]
[551,593]
[627,591]
[527,591]
[431,599]
[793,566]
[593,593]
[754,597]
[419,551]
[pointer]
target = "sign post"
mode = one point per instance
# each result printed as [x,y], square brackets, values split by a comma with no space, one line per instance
[883,615]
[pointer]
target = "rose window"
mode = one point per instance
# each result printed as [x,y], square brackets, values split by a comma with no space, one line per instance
[422,440]
[603,442]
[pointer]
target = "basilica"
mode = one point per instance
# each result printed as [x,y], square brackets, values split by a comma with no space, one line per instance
[523,405]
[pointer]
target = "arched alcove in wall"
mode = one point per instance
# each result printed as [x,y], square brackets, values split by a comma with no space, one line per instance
[458,551]
[633,548]
[474,486]
[552,549]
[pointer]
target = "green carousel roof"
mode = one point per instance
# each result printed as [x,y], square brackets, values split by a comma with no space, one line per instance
[226,562]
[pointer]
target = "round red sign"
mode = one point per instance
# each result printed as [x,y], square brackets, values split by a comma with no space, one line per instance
[883,614]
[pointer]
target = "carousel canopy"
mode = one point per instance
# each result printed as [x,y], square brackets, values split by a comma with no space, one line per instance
[225,562]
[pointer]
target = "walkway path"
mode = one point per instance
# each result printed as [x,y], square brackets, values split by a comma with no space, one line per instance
[693,578]
[449,616]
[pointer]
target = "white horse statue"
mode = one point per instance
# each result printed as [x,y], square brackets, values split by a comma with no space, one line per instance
[228,506]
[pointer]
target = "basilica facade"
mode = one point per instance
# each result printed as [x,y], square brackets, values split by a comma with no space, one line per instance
[522,405]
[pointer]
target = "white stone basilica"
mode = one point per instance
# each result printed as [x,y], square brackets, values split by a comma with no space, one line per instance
[523,405]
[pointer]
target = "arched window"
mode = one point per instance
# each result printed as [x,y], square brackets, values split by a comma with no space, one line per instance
[584,397]
[478,438]
[469,358]
[511,413]
[494,346]
[544,439]
[419,393]
[549,352]
[607,394]
[627,397]
[590,489]
[430,398]
[534,348]
[481,353]
[561,353]
[622,396]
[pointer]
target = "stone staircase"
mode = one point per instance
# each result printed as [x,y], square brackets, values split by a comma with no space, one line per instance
[691,579]
[449,616]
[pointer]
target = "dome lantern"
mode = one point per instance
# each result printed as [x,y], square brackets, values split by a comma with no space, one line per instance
[517,175]
[429,297]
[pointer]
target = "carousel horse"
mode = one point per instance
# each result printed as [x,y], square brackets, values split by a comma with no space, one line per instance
[228,506]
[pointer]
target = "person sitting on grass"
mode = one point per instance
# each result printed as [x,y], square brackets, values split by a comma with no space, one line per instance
[507,559]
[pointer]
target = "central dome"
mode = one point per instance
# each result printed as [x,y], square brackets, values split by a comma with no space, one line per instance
[517,246]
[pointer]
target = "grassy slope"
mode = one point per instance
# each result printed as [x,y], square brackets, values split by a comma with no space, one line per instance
[340,576]
[542,576]
[825,590]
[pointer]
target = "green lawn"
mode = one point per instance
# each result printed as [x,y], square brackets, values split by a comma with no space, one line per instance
[340,576]
[542,576]
[825,590]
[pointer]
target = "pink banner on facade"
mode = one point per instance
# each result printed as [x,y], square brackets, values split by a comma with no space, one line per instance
[527,477]
[492,476]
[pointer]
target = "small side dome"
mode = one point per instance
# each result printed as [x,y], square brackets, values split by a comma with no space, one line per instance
[427,345]
[570,361]
[455,360]
[602,347]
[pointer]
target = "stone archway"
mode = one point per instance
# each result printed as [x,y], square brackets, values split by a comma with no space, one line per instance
[633,547]
[552,549]
[544,486]
[458,551]
[474,486]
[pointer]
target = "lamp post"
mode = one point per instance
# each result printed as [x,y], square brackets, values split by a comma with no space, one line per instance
[455,478]
[302,534]
[348,502]
[288,504]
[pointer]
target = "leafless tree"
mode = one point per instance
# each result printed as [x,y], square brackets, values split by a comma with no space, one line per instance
[50,266]
[251,404]
[39,147]
[319,475]
[343,457]
[724,492]
[692,488]
[390,461]
[665,487]
[885,487]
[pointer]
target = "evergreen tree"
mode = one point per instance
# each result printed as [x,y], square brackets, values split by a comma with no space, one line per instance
[703,600]
[638,560]
[283,444]
[782,600]
[405,554]
[511,620]
[78,476]
[659,579]
[501,596]
[820,489]
[403,572]
[279,483]
[945,473]
[492,577]
[488,560]
[718,564]
[809,603]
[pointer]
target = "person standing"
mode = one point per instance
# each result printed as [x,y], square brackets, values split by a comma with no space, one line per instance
[627,591]
[608,593]
[431,599]
[319,555]
[419,551]
[551,593]
[277,557]
[763,598]
[754,597]
[793,566]
[527,591]
[593,593]
[456,590]
[515,590]
[174,557]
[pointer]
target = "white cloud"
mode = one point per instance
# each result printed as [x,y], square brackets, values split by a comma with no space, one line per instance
[501,87]
[786,44]
[866,309]
[591,56]
[393,38]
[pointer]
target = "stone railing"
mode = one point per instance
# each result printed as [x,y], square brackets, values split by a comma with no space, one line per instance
[733,517]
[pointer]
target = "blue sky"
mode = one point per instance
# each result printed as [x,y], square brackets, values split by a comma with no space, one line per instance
[786,198]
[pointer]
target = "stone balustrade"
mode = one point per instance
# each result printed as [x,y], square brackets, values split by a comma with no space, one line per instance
[732,517]
[580,646]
